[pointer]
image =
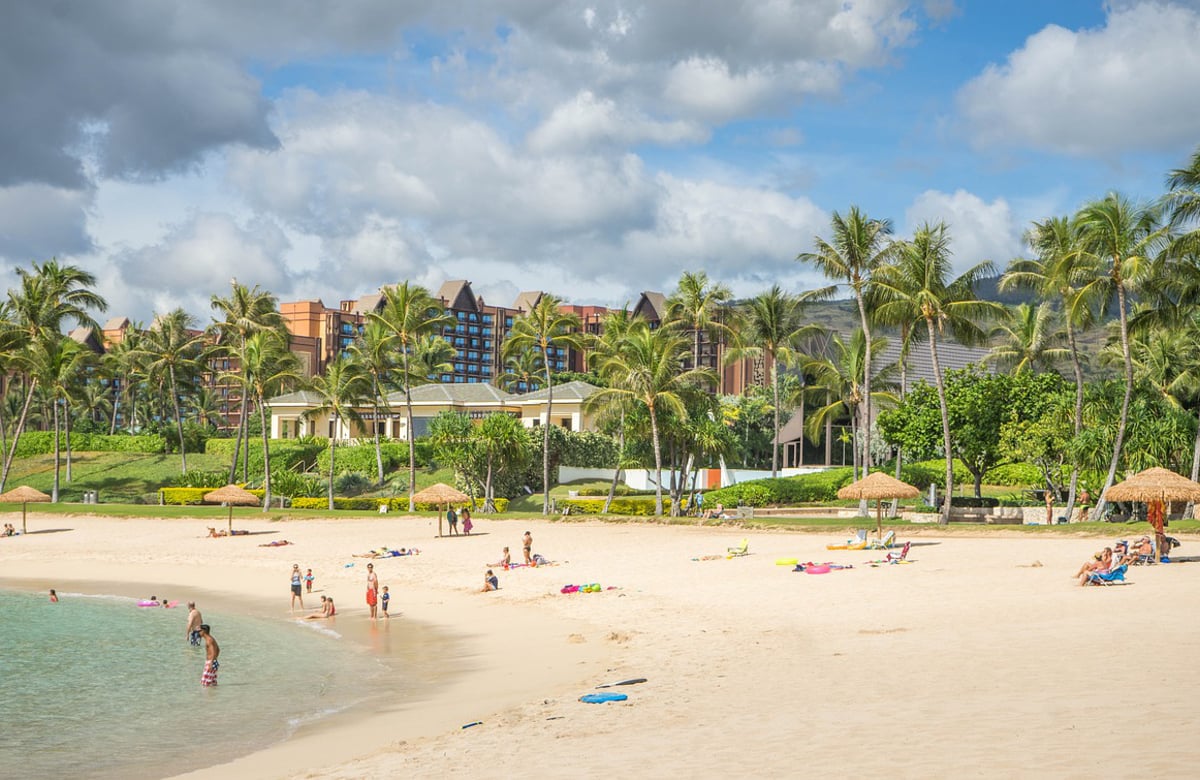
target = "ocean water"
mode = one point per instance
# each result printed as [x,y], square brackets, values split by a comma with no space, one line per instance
[96,687]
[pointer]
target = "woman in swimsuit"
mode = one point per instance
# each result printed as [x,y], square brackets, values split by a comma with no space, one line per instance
[297,589]
[528,543]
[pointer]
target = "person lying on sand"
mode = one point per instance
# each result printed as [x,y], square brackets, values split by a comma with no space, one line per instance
[386,552]
[215,534]
[276,543]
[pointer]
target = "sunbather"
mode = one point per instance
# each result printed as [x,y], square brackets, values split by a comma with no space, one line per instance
[276,543]
[1101,563]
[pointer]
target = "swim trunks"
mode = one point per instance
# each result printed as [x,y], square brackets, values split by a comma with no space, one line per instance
[194,638]
[209,678]
[371,597]
[295,590]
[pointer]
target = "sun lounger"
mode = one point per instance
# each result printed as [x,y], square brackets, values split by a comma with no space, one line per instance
[1111,577]
[859,542]
[884,543]
[743,548]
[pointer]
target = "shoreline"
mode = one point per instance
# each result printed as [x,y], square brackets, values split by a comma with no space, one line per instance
[982,657]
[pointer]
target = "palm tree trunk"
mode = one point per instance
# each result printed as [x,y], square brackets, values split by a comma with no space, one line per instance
[612,488]
[378,413]
[412,453]
[866,427]
[546,437]
[895,503]
[658,506]
[67,428]
[775,396]
[489,497]
[1123,420]
[17,433]
[178,422]
[1078,368]
[54,490]
[941,388]
[237,442]
[262,413]
[332,439]
[112,427]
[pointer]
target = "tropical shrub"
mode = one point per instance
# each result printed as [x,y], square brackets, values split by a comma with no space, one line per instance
[293,485]
[195,478]
[190,496]
[361,458]
[352,483]
[632,505]
[586,449]
[42,443]
[395,504]
[821,486]
[1015,475]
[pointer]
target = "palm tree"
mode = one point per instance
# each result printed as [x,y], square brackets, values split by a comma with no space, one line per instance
[1060,271]
[1184,199]
[916,286]
[342,387]
[47,297]
[374,350]
[55,362]
[858,247]
[697,305]
[1122,238]
[522,372]
[544,329]
[123,363]
[648,368]
[501,440]
[840,377]
[1028,338]
[410,313]
[267,368]
[244,312]
[774,328]
[173,349]
[615,329]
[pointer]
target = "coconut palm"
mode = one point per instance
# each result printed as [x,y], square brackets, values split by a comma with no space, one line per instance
[1184,200]
[343,386]
[773,328]
[375,351]
[244,312]
[501,440]
[522,372]
[858,247]
[1028,338]
[648,368]
[615,328]
[173,350]
[1122,238]
[267,369]
[917,286]
[698,306]
[122,363]
[410,313]
[46,298]
[55,362]
[545,330]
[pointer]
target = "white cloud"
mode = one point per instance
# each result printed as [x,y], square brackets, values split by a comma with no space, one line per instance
[38,221]
[1129,84]
[979,231]
[587,121]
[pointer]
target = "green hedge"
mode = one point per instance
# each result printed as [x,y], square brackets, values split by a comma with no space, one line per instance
[806,488]
[42,443]
[1015,475]
[395,504]
[295,454]
[361,458]
[633,505]
[190,496]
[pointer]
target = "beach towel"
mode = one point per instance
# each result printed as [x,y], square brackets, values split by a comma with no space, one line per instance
[1109,577]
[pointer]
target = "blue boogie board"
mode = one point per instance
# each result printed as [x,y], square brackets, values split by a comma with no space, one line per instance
[600,698]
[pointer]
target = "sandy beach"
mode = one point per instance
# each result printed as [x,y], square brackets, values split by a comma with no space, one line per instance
[981,657]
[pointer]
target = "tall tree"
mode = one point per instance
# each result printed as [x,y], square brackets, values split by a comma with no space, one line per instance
[267,368]
[699,305]
[916,285]
[774,328]
[1028,338]
[375,351]
[523,372]
[616,328]
[244,312]
[48,297]
[410,313]
[1060,272]
[343,387]
[648,368]
[1122,238]
[173,350]
[55,361]
[545,330]
[502,441]
[856,249]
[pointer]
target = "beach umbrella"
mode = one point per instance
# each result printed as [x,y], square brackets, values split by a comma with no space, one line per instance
[23,494]
[1155,487]
[441,493]
[878,486]
[231,495]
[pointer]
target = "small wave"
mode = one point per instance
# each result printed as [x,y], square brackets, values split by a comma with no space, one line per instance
[101,597]
[294,723]
[319,629]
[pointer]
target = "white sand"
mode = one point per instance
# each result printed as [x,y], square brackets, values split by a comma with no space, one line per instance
[968,661]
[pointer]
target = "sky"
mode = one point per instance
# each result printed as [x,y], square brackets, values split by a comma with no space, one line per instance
[590,149]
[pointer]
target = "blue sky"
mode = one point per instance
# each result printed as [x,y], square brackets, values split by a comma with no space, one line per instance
[592,149]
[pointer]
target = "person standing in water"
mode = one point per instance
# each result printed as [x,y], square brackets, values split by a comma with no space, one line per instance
[372,589]
[192,632]
[53,596]
[297,586]
[211,651]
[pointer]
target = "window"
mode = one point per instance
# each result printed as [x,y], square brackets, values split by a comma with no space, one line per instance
[471,380]
[487,369]
[445,377]
[473,329]
[472,369]
[508,322]
[462,315]
[487,331]
[487,343]
[458,367]
[472,356]
[487,319]
[472,317]
[458,380]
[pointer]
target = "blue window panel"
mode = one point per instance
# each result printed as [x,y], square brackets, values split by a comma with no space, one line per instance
[472,356]
[472,317]
[487,319]
[458,366]
[445,377]
[472,369]
[462,315]
[473,329]
[458,380]
[487,343]
[508,321]
[487,369]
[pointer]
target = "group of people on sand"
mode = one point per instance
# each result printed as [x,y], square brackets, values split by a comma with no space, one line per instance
[213,533]
[492,582]
[9,530]
[1105,565]
[452,518]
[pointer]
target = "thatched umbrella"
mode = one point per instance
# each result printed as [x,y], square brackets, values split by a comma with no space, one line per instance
[878,486]
[230,495]
[441,493]
[24,494]
[1155,487]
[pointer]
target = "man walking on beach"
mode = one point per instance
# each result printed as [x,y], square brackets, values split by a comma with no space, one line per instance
[372,589]
[192,632]
[211,651]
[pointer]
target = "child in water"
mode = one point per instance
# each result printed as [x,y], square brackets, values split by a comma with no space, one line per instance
[383,600]
[53,596]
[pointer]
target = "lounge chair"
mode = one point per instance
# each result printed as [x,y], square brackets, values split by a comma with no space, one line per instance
[883,543]
[743,548]
[859,542]
[903,556]
[1112,577]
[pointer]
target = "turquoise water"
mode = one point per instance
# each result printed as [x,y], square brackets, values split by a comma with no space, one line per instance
[96,687]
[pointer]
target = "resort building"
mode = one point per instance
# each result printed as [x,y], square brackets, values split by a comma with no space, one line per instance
[292,413]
